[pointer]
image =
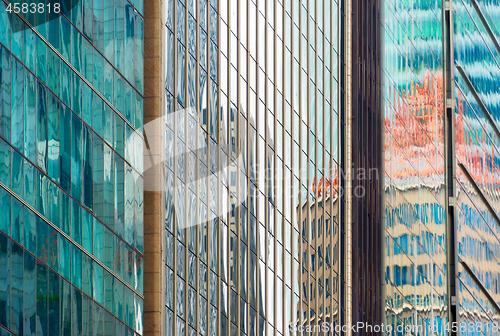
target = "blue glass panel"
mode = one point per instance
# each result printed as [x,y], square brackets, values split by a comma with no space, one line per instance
[109,194]
[17,42]
[87,95]
[5,27]
[65,291]
[65,29]
[76,100]
[108,290]
[41,129]
[30,49]
[118,298]
[98,81]
[53,246]
[5,91]
[66,207]
[98,240]
[54,209]
[108,82]
[76,312]
[181,78]
[87,315]
[98,111]
[129,43]
[119,196]
[42,194]
[108,248]
[98,175]
[30,117]
[30,294]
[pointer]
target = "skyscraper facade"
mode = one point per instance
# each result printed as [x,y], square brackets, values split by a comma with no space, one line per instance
[441,125]
[71,168]
[252,126]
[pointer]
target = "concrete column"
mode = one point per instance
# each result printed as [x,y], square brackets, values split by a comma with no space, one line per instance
[154,177]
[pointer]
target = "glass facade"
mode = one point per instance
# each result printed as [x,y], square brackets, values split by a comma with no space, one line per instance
[414,206]
[441,206]
[71,169]
[252,155]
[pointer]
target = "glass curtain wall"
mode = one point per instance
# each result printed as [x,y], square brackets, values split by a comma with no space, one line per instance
[71,237]
[414,206]
[251,157]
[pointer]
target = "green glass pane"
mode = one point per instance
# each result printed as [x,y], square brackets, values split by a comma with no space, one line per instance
[88,182]
[76,223]
[5,166]
[108,290]
[87,231]
[5,91]
[53,248]
[54,302]
[98,240]
[54,72]
[54,203]
[98,284]
[17,120]
[41,55]
[16,289]
[64,252]
[109,248]
[53,136]
[29,183]
[65,148]
[87,270]
[76,158]
[42,241]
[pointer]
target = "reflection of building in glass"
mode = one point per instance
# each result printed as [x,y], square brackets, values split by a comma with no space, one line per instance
[71,200]
[251,122]
[441,207]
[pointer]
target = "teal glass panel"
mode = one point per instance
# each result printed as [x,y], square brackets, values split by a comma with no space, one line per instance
[54,37]
[76,157]
[138,111]
[129,312]
[88,182]
[128,265]
[98,240]
[138,52]
[108,82]
[118,298]
[129,103]
[119,141]
[5,91]
[76,312]
[42,301]
[42,128]
[87,95]
[109,211]
[42,241]
[108,290]
[76,266]
[119,204]
[119,34]
[98,25]
[88,15]
[118,247]
[109,324]
[76,46]
[5,27]
[139,274]
[42,198]
[65,148]
[30,49]
[76,101]
[64,252]
[53,244]
[53,136]
[108,248]
[5,166]
[30,293]
[42,60]
[87,316]
[17,42]
[30,231]
[98,284]
[87,270]
[5,259]
[98,108]
[5,202]
[54,303]
[65,46]
[109,22]
[54,202]
[29,183]
[129,43]
[17,121]
[30,103]
[98,72]
[76,223]
[119,99]
[16,289]
[66,74]
[17,174]
[109,120]
[17,216]
[66,207]
[65,307]
[87,61]
[54,73]
[87,231]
